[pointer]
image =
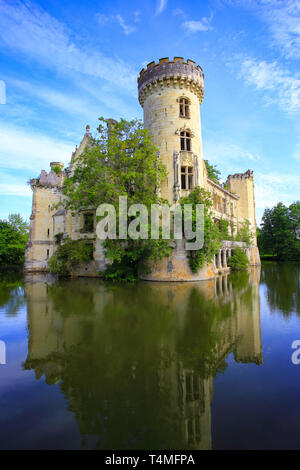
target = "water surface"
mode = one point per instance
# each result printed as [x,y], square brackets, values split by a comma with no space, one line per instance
[151,366]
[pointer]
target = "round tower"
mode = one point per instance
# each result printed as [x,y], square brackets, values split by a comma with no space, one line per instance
[170,93]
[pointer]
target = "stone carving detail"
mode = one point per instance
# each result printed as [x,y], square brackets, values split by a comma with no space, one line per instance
[196,170]
[176,176]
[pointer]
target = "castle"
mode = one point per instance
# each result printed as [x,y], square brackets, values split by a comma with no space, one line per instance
[170,93]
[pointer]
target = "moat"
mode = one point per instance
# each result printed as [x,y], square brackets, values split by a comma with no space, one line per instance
[200,365]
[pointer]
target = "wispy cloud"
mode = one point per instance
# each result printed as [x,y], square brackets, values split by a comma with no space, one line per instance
[161,6]
[32,33]
[272,188]
[179,12]
[126,28]
[117,18]
[66,102]
[220,152]
[31,151]
[195,26]
[296,153]
[283,20]
[137,16]
[279,85]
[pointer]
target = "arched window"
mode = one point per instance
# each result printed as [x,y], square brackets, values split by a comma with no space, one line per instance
[184,107]
[185,141]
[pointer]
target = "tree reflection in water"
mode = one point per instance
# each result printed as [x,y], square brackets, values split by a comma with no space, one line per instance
[136,363]
[283,286]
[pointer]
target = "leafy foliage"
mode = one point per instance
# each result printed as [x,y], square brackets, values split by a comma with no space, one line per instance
[57,169]
[13,239]
[244,233]
[69,255]
[120,161]
[279,233]
[238,260]
[212,237]
[224,229]
[212,172]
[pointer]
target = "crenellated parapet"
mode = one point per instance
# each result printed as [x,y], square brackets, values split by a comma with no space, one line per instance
[242,176]
[171,74]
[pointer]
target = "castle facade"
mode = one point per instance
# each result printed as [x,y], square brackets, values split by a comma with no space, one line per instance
[170,93]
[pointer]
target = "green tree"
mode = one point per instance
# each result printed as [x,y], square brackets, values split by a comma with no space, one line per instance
[212,172]
[120,161]
[13,239]
[244,233]
[278,234]
[212,235]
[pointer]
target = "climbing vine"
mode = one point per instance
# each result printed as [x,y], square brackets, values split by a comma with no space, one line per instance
[212,236]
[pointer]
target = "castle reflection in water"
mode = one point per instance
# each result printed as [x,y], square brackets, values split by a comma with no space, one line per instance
[137,363]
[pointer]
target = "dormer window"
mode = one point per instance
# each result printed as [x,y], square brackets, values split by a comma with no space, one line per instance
[184,108]
[185,141]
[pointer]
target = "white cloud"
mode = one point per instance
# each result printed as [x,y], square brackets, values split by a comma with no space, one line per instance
[227,152]
[21,149]
[272,188]
[179,12]
[102,19]
[32,33]
[137,16]
[296,153]
[161,6]
[194,26]
[126,28]
[66,102]
[279,85]
[283,20]
[7,189]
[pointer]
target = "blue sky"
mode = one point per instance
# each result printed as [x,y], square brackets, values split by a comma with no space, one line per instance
[67,63]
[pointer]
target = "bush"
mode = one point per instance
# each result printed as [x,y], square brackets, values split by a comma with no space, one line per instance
[238,260]
[70,255]
[244,233]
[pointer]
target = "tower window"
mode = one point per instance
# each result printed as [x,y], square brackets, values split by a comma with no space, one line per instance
[88,222]
[47,253]
[185,141]
[184,108]
[187,177]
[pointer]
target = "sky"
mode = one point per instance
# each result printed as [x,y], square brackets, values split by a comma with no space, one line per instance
[65,64]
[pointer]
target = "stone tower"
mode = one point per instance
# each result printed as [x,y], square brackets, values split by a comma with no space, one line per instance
[170,93]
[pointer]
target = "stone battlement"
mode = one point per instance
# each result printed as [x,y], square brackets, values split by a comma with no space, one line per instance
[166,73]
[48,180]
[248,174]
